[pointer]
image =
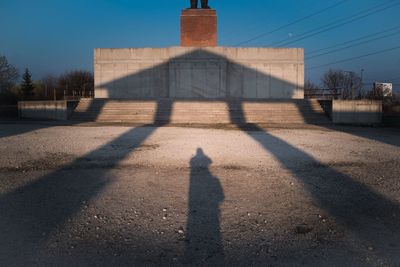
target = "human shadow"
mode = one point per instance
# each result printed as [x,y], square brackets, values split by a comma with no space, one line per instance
[31,213]
[203,243]
[371,216]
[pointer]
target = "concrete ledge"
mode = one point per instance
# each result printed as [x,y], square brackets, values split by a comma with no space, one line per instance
[357,112]
[46,110]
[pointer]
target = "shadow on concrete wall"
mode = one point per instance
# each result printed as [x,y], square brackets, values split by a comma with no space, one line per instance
[203,244]
[201,74]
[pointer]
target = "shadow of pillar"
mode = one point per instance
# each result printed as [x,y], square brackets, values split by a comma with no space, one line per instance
[369,215]
[32,212]
[203,234]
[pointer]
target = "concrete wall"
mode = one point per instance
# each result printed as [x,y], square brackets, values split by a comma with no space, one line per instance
[213,73]
[357,112]
[46,110]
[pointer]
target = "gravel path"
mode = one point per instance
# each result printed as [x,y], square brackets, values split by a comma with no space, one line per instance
[124,196]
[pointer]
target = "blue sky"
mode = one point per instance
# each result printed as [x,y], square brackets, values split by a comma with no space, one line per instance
[51,36]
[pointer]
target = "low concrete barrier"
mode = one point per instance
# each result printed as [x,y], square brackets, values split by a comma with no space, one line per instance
[46,110]
[357,112]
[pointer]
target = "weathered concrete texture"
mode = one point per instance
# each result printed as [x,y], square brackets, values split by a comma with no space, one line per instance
[46,110]
[199,28]
[193,73]
[357,112]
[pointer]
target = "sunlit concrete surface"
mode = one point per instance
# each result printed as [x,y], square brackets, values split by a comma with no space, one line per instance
[193,73]
[123,196]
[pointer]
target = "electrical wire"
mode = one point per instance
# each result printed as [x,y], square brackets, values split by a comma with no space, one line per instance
[338,23]
[354,40]
[354,45]
[292,23]
[354,58]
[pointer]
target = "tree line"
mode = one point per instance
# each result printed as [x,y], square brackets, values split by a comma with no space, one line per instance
[339,84]
[71,84]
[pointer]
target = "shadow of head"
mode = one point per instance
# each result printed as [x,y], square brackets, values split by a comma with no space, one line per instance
[200,160]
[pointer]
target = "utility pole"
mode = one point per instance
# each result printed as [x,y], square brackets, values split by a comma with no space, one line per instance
[361,82]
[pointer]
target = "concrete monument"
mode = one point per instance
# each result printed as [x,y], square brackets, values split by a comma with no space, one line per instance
[199,69]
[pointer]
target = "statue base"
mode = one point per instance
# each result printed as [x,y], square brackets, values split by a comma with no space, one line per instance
[199,28]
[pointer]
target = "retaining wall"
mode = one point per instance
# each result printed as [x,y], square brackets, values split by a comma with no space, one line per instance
[357,112]
[46,110]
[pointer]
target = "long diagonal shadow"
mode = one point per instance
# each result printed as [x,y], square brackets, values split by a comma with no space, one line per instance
[369,215]
[32,212]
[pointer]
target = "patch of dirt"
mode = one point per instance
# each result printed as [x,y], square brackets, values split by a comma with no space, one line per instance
[50,161]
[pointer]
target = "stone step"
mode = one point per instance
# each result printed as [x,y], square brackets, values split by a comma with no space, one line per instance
[203,119]
[216,114]
[201,112]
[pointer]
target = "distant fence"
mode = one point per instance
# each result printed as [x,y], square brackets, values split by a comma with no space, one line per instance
[77,95]
[323,94]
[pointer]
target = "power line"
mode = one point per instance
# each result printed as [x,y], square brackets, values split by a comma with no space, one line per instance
[354,58]
[338,23]
[354,40]
[292,23]
[354,45]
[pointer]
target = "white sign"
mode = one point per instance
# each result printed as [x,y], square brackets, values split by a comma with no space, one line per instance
[383,89]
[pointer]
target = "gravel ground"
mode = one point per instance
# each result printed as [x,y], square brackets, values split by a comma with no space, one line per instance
[126,196]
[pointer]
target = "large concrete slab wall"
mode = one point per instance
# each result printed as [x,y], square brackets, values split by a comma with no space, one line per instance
[193,73]
[357,112]
[46,110]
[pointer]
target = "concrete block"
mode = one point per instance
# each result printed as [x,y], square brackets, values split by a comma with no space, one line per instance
[46,110]
[357,112]
[188,72]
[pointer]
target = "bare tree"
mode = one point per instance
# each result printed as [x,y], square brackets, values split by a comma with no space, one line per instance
[310,89]
[50,87]
[347,84]
[333,80]
[8,75]
[79,82]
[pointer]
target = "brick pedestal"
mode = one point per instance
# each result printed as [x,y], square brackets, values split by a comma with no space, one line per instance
[199,28]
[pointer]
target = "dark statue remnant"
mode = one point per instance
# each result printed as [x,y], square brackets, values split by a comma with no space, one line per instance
[194,4]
